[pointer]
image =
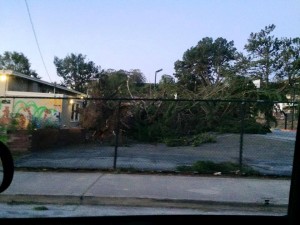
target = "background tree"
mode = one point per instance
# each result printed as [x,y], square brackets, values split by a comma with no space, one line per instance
[202,74]
[112,83]
[213,69]
[17,62]
[272,61]
[101,114]
[263,51]
[206,64]
[135,82]
[121,83]
[287,61]
[136,77]
[167,79]
[241,65]
[76,71]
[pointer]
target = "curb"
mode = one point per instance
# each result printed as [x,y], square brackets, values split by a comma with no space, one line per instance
[136,202]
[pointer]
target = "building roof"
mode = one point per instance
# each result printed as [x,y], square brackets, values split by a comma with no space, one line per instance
[54,85]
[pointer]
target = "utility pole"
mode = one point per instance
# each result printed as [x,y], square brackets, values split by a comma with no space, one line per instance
[157,71]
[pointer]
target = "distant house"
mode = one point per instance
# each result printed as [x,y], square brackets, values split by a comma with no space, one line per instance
[38,103]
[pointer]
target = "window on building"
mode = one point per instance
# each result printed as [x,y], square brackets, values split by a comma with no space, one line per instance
[75,112]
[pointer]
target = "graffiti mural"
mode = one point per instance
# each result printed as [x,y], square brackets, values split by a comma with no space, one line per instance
[4,119]
[38,113]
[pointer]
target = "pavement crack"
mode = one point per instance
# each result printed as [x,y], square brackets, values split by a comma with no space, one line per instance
[83,194]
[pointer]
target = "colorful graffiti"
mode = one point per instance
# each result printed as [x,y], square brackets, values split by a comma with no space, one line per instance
[38,113]
[5,119]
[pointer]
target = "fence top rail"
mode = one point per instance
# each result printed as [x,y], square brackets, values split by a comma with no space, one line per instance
[155,99]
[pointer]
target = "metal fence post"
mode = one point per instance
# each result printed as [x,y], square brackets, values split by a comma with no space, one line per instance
[242,135]
[117,128]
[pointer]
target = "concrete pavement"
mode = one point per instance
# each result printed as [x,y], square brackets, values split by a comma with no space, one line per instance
[176,191]
[270,154]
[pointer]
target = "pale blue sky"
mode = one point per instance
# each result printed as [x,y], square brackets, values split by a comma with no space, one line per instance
[135,34]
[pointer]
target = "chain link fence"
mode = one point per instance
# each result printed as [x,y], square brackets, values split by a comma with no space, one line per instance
[156,135]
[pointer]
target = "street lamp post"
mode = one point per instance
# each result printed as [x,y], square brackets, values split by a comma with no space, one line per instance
[157,71]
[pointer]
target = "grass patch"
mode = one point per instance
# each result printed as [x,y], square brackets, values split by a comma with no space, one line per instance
[194,140]
[17,155]
[209,167]
[130,169]
[40,208]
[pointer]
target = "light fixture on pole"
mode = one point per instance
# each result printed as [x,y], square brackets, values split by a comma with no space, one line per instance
[157,71]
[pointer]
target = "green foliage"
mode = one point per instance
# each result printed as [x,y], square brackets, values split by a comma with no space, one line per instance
[173,142]
[250,127]
[119,83]
[288,60]
[40,208]
[194,140]
[169,122]
[206,63]
[76,71]
[212,69]
[166,79]
[17,62]
[209,167]
[148,133]
[203,138]
[263,49]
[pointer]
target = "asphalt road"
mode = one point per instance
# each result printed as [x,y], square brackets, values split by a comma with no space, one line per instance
[270,154]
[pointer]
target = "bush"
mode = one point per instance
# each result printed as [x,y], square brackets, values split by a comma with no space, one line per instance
[203,138]
[250,127]
[194,140]
[173,142]
[209,167]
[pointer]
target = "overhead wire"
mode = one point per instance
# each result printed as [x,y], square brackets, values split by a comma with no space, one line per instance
[36,40]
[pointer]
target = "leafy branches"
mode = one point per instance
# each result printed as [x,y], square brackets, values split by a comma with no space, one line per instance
[17,62]
[76,71]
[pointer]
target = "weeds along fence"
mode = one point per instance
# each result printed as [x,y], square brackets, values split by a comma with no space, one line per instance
[157,134]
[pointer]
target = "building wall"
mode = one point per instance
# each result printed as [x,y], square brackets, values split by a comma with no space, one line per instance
[66,116]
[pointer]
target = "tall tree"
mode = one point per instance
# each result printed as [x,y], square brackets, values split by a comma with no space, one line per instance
[120,83]
[113,83]
[76,71]
[17,62]
[287,61]
[205,64]
[263,49]
[136,77]
[135,80]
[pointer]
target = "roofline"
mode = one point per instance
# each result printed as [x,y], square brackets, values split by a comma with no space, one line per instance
[17,74]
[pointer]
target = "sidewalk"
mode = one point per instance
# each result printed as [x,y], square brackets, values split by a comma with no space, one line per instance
[145,190]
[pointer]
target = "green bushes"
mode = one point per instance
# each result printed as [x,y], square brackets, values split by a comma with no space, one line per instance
[209,167]
[250,126]
[180,123]
[194,140]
